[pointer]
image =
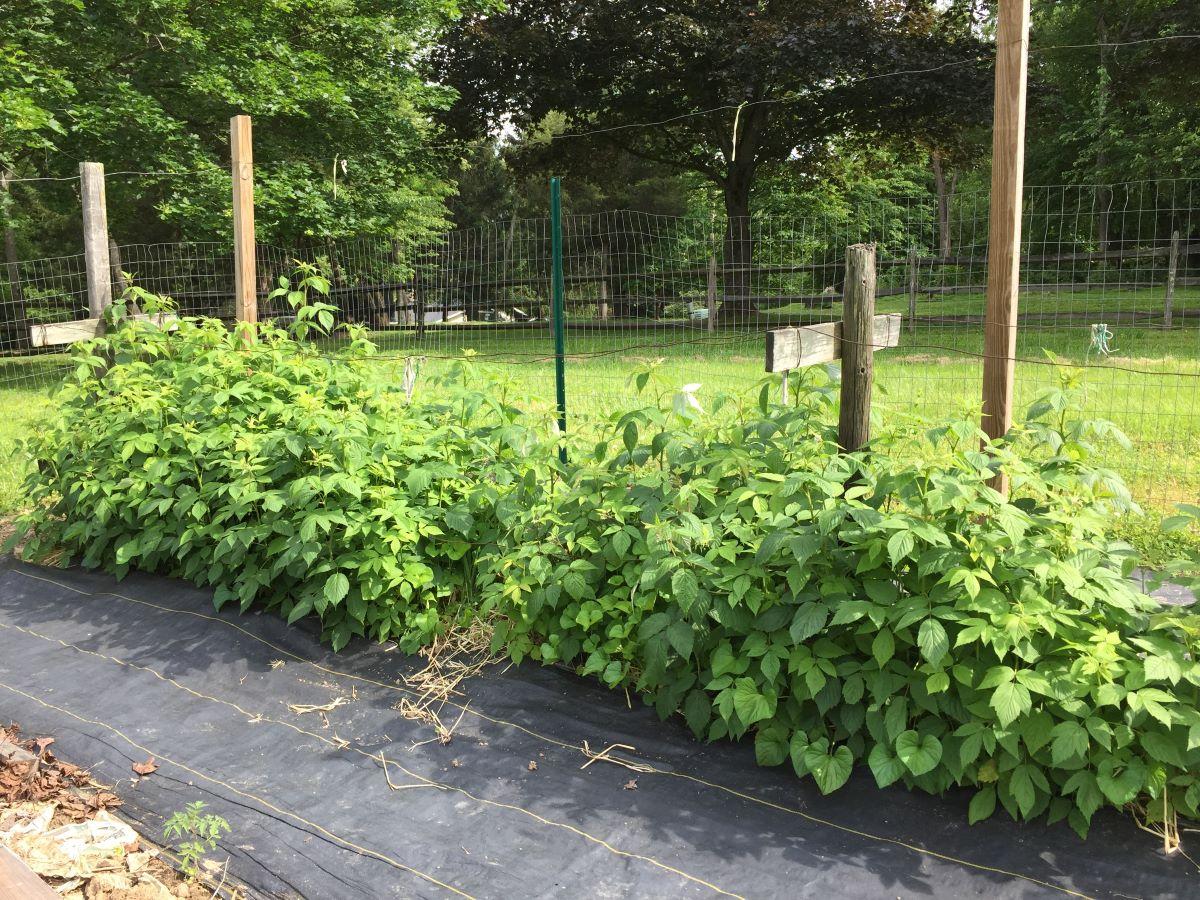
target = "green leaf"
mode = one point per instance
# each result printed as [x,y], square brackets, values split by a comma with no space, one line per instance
[629,436]
[300,610]
[885,766]
[751,706]
[682,637]
[900,545]
[577,586]
[1070,741]
[1010,700]
[1021,786]
[459,518]
[1036,730]
[684,588]
[883,646]
[1120,781]
[919,753]
[933,641]
[1163,748]
[337,586]
[771,746]
[697,711]
[809,619]
[982,805]
[829,770]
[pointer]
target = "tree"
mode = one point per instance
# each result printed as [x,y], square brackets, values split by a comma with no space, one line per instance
[150,86]
[732,86]
[1117,103]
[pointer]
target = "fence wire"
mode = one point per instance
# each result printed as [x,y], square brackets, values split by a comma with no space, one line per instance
[1109,288]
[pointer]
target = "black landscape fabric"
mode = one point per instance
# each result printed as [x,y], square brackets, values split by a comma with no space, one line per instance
[120,671]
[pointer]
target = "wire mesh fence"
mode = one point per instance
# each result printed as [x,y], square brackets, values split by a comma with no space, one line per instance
[1110,293]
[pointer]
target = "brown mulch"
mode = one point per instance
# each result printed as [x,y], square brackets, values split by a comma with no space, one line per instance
[45,800]
[47,778]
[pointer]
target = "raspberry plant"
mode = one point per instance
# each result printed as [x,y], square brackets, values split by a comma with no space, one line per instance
[885,608]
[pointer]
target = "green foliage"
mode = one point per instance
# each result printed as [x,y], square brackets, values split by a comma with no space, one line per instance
[886,607]
[277,472]
[199,833]
[329,84]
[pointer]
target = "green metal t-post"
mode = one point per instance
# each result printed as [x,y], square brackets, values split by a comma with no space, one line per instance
[557,290]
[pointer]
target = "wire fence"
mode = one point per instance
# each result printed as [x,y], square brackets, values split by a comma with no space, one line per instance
[1110,291]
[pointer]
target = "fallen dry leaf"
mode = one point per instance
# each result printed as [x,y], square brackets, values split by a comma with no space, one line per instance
[145,768]
[630,785]
[532,766]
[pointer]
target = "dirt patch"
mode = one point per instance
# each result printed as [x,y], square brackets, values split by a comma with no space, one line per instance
[56,819]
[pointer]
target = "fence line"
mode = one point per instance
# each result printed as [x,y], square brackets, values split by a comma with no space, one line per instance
[1121,260]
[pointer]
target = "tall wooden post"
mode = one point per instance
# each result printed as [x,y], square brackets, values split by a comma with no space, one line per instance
[95,237]
[1172,271]
[1004,233]
[711,296]
[858,351]
[913,287]
[245,300]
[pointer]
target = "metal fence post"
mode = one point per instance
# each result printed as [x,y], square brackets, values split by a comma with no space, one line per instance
[558,312]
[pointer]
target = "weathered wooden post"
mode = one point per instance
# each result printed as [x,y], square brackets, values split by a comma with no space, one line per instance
[241,151]
[853,341]
[711,297]
[1004,229]
[858,364]
[913,287]
[1172,271]
[95,237]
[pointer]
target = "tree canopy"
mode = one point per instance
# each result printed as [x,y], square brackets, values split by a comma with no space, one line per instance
[333,88]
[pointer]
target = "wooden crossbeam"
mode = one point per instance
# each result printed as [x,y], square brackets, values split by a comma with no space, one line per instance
[808,345]
[56,333]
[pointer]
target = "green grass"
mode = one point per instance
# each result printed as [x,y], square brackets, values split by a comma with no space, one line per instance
[1150,386]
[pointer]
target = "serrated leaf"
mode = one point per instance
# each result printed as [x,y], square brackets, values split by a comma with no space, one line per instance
[682,637]
[982,805]
[932,640]
[1070,740]
[751,706]
[883,647]
[900,545]
[684,588]
[337,586]
[1010,700]
[809,619]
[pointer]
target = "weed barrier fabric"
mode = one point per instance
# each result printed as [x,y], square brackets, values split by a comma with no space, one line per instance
[119,671]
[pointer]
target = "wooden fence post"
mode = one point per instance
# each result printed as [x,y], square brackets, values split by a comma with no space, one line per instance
[1172,270]
[95,238]
[913,286]
[858,351]
[241,149]
[711,296]
[1004,232]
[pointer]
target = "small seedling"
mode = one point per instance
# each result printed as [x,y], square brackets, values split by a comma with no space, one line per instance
[198,832]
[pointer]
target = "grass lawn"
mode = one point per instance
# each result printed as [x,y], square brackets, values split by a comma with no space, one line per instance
[1149,386]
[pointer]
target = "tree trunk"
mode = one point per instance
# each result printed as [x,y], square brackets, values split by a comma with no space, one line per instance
[14,311]
[945,195]
[737,304]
